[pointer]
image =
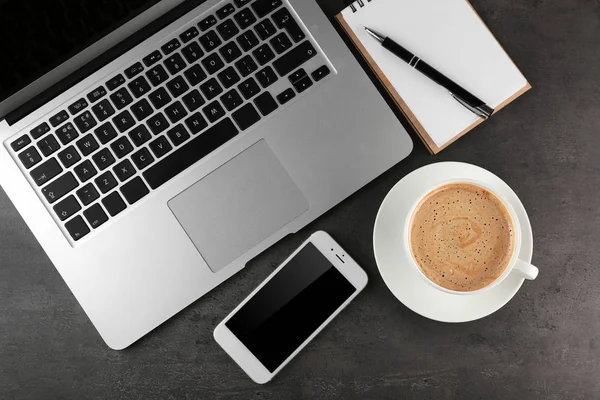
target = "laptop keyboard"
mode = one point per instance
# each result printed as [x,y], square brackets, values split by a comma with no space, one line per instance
[145,125]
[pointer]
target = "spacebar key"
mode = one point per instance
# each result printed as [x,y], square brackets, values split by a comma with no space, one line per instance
[190,153]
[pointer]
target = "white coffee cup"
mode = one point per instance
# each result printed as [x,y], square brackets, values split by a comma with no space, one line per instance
[515,266]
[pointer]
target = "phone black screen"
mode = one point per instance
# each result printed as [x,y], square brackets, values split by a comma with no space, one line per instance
[290,307]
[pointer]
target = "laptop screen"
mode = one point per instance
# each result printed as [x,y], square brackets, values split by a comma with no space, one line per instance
[37,36]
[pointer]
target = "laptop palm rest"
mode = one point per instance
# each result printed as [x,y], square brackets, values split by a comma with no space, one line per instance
[238,205]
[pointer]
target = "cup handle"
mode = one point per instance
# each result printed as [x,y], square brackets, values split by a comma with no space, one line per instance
[526,270]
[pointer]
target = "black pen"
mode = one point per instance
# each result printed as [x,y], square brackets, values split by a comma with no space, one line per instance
[472,103]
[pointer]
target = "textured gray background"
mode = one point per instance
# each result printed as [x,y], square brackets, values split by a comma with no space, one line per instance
[544,344]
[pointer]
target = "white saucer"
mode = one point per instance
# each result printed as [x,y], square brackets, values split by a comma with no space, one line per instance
[395,263]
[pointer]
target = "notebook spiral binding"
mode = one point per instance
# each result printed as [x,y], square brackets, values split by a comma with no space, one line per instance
[355,5]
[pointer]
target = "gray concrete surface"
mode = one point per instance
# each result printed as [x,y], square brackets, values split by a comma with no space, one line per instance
[544,344]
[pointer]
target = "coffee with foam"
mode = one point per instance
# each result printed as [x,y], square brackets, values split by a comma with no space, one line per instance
[462,237]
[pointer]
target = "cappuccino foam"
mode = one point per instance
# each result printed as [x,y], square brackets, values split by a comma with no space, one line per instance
[461,237]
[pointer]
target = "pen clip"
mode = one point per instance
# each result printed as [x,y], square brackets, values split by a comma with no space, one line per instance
[475,110]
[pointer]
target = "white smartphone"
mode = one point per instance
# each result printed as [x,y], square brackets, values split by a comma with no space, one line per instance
[290,307]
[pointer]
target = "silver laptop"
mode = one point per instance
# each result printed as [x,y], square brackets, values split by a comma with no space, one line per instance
[155,147]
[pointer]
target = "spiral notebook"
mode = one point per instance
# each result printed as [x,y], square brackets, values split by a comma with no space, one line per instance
[450,36]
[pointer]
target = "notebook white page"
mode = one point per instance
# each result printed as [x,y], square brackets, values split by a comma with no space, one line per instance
[449,36]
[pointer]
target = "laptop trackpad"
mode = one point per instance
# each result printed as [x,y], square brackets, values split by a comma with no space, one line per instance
[238,205]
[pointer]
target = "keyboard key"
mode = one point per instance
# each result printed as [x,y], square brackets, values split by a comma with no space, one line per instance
[121,98]
[123,121]
[97,94]
[263,54]
[20,143]
[103,110]
[193,100]
[124,170]
[87,194]
[286,96]
[159,98]
[284,20]
[69,156]
[121,147]
[281,43]
[230,51]
[245,18]
[170,46]
[177,86]
[265,29]
[48,145]
[87,145]
[139,135]
[246,66]
[39,130]
[213,111]
[158,123]
[139,86]
[142,110]
[115,82]
[195,74]
[175,111]
[105,182]
[105,133]
[248,40]
[174,63]
[207,23]
[103,159]
[210,41]
[133,191]
[190,153]
[67,208]
[303,84]
[85,121]
[58,188]
[297,75]
[225,11]
[189,34]
[320,73]
[196,123]
[142,158]
[231,100]
[178,135]
[30,157]
[264,7]
[67,133]
[59,118]
[157,75]
[95,216]
[134,70]
[114,204]
[192,52]
[294,58]
[152,58]
[213,63]
[249,88]
[241,3]
[46,171]
[266,77]
[228,29]
[160,147]
[229,77]
[85,171]
[78,106]
[266,103]
[246,116]
[77,228]
[211,89]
